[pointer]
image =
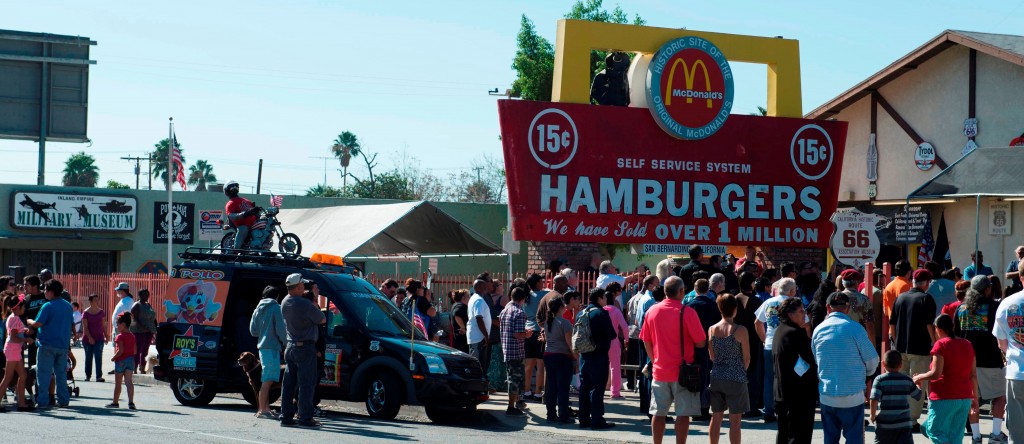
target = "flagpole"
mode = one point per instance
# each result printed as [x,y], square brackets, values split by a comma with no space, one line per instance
[170,197]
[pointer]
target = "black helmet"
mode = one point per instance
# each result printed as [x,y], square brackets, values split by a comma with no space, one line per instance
[231,189]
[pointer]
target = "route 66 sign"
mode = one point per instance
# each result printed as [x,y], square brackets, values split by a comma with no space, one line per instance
[854,240]
[971,127]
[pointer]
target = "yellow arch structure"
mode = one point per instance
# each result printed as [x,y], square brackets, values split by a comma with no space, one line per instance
[576,38]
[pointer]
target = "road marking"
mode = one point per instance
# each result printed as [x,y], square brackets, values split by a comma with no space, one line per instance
[185,431]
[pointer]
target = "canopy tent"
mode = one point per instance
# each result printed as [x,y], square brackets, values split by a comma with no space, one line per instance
[988,172]
[410,229]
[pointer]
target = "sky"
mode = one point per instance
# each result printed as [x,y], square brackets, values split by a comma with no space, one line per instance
[279,80]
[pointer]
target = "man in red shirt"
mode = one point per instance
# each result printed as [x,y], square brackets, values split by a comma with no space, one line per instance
[241,213]
[662,335]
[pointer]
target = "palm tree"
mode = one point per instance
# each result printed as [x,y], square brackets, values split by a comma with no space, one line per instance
[201,174]
[80,170]
[761,111]
[160,161]
[345,146]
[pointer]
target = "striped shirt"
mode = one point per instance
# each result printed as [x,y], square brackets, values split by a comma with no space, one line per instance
[841,347]
[891,391]
[513,320]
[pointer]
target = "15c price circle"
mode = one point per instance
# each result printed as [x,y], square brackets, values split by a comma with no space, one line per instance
[553,138]
[811,152]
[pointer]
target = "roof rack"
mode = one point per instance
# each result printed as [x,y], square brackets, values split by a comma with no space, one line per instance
[265,257]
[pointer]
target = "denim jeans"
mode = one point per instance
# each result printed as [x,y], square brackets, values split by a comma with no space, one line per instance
[769,383]
[482,353]
[848,422]
[645,382]
[559,370]
[300,375]
[755,384]
[241,235]
[593,377]
[52,363]
[93,353]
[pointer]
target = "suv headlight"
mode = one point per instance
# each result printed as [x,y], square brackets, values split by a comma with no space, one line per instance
[435,365]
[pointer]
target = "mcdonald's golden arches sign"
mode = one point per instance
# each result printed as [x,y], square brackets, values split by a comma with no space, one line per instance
[689,88]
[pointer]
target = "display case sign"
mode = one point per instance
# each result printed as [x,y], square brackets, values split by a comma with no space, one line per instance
[76,212]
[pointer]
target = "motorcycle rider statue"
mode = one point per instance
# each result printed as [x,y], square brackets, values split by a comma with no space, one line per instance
[241,213]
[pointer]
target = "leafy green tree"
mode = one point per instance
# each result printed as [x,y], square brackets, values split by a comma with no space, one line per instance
[761,111]
[345,146]
[534,61]
[80,170]
[387,185]
[324,191]
[115,185]
[160,161]
[201,174]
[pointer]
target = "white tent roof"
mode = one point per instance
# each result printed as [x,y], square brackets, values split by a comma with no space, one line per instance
[409,229]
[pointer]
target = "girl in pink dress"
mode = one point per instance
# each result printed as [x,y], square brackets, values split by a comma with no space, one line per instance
[16,339]
[622,331]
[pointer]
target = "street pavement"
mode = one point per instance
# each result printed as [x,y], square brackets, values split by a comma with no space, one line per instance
[230,419]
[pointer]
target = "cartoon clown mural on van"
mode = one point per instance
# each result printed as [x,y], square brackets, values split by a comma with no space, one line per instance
[195,299]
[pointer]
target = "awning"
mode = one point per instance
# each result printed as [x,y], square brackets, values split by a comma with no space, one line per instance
[402,229]
[992,172]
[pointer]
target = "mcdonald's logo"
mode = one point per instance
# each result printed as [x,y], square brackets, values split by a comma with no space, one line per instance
[689,75]
[706,86]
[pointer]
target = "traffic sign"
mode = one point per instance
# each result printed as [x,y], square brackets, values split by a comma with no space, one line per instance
[854,240]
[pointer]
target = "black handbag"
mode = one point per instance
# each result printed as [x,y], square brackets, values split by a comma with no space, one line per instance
[689,374]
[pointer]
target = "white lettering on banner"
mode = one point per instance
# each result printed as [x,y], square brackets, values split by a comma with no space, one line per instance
[555,226]
[654,197]
[621,198]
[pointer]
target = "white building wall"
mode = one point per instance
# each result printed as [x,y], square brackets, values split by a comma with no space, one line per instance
[933,99]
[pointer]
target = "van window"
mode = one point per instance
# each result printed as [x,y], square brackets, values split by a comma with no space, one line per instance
[336,322]
[380,316]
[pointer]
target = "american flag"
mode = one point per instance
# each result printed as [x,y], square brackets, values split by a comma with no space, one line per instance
[924,254]
[176,160]
[275,201]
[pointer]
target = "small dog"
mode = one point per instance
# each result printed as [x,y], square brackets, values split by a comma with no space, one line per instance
[251,365]
[152,360]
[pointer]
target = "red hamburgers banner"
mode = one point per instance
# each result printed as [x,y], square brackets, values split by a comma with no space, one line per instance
[588,173]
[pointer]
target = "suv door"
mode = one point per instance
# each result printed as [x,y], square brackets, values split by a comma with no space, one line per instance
[341,356]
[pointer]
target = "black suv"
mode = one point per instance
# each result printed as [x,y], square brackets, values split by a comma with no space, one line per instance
[372,354]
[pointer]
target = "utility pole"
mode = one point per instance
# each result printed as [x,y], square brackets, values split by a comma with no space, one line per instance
[259,177]
[325,166]
[138,169]
[150,175]
[478,170]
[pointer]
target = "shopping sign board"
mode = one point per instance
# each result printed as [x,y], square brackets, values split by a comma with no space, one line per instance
[589,173]
[854,240]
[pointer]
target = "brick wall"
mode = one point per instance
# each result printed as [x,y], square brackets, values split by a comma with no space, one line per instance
[575,254]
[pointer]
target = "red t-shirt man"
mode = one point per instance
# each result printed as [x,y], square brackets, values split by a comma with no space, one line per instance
[661,329]
[238,205]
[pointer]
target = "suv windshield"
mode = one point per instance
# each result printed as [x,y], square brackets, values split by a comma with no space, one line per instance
[379,315]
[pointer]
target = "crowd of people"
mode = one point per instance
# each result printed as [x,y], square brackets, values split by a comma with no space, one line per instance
[754,340]
[41,325]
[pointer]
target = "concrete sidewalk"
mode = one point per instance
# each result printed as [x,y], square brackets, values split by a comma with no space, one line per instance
[631,424]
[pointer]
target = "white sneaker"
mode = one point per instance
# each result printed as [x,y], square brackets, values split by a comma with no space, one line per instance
[997,439]
[528,394]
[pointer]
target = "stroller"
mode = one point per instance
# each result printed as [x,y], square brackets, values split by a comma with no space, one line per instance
[73,390]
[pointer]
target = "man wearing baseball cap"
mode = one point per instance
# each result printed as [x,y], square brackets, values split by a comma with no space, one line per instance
[861,309]
[302,319]
[912,334]
[123,305]
[842,350]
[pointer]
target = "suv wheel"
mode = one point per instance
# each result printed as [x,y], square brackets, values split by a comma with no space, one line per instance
[193,392]
[383,396]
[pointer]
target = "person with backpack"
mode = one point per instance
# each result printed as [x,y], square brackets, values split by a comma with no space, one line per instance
[592,336]
[267,324]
